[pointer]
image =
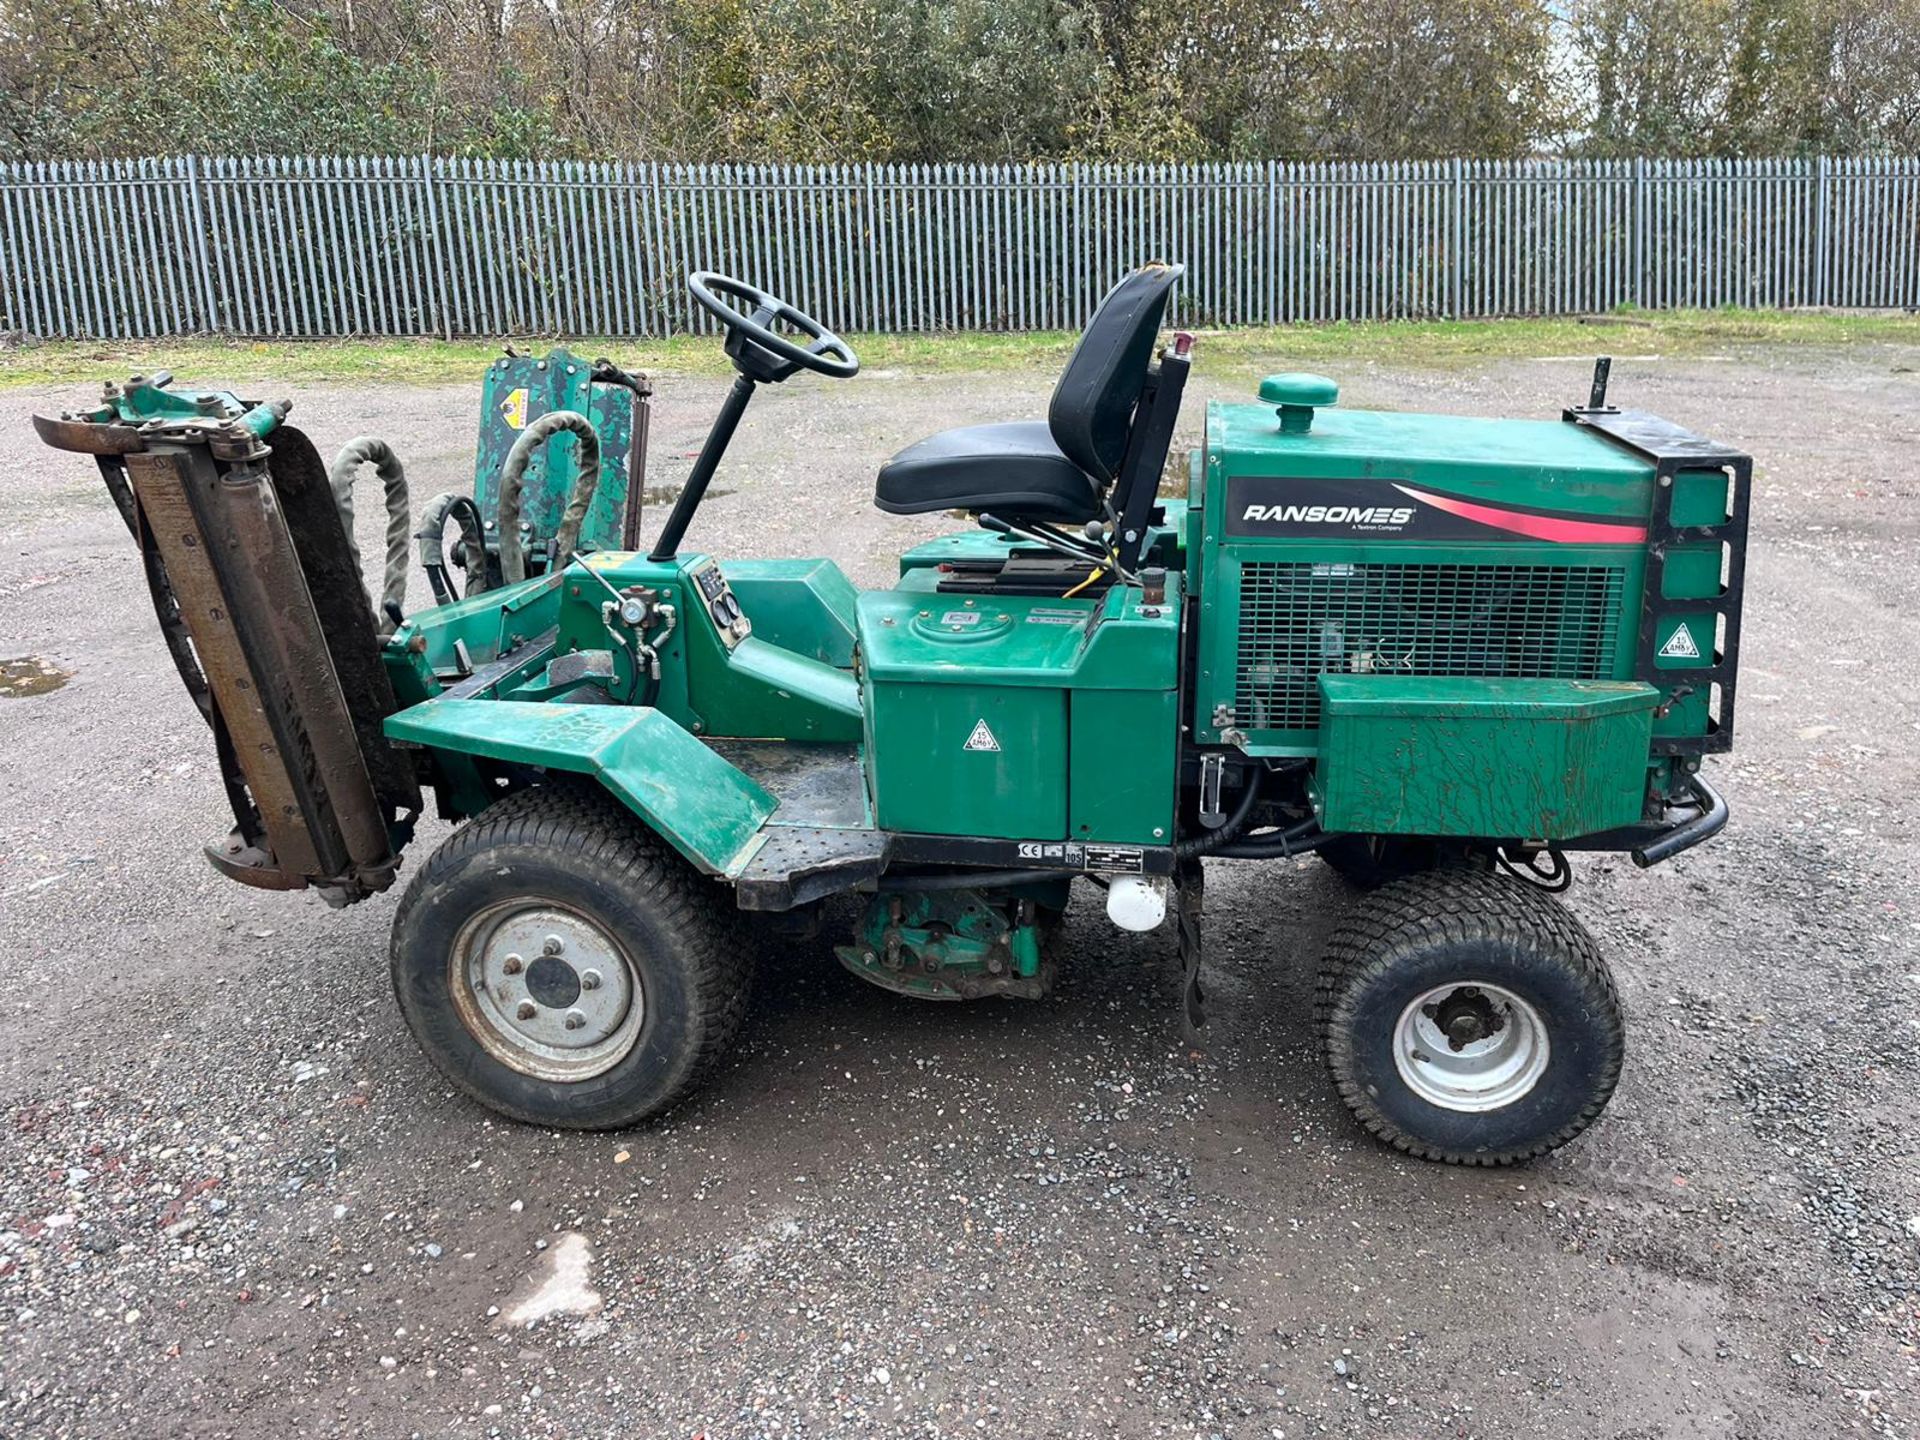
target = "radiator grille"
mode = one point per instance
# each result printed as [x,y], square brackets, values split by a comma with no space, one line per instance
[1301,620]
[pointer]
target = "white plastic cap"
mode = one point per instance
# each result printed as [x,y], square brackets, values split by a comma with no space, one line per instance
[1137,902]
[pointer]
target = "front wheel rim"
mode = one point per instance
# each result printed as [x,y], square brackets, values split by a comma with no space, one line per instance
[545,990]
[1470,1047]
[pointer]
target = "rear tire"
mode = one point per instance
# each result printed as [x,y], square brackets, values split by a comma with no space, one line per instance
[1351,857]
[561,965]
[1502,969]
[1367,862]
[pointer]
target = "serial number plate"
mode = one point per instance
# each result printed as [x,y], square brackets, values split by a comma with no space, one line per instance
[1070,855]
[1128,859]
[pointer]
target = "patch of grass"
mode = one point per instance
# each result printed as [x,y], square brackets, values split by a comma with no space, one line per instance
[1414,343]
[1439,343]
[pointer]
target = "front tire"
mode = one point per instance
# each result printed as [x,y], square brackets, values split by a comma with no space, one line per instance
[561,965]
[1469,1018]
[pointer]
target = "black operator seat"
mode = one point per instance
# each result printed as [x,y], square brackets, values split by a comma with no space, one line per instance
[1055,469]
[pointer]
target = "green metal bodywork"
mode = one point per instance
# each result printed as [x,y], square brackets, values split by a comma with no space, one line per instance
[720,686]
[1523,462]
[1060,720]
[1534,467]
[805,606]
[1088,689]
[976,707]
[1515,759]
[518,390]
[143,400]
[1519,463]
[704,807]
[712,686]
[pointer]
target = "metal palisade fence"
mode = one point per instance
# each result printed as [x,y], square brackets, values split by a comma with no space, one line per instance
[289,247]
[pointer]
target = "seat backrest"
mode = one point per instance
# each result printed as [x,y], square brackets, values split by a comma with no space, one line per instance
[1093,403]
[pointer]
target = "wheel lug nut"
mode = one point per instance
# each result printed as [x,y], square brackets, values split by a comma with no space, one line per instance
[589,979]
[554,945]
[512,964]
[527,1010]
[575,1020]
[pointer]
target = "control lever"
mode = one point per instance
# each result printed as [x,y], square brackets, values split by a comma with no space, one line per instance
[1059,544]
[1213,769]
[1597,397]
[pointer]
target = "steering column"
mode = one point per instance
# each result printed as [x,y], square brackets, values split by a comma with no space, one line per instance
[759,353]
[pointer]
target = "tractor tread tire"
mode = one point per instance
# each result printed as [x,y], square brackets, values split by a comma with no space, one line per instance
[606,844]
[1459,906]
[1351,857]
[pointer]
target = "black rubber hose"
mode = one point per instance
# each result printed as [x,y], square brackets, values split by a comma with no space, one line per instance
[513,477]
[1210,842]
[1711,820]
[1295,840]
[393,475]
[431,538]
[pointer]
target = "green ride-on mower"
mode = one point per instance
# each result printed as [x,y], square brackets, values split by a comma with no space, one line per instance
[1440,653]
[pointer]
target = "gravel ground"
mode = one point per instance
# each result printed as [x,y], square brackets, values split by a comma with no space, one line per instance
[235,1201]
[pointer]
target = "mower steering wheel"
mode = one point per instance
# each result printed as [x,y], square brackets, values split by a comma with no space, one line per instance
[828,354]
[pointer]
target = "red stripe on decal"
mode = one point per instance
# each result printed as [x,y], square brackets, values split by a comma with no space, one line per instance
[1536,527]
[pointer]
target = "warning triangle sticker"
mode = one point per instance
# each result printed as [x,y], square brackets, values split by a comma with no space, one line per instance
[1680,646]
[981,738]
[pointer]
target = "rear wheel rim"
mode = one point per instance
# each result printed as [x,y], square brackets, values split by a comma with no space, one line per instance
[545,990]
[1470,1047]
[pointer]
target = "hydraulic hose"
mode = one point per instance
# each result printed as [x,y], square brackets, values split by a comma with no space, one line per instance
[432,539]
[513,477]
[1294,840]
[346,466]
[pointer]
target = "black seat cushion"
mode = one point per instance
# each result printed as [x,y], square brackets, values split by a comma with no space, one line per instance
[1058,469]
[1092,408]
[1012,470]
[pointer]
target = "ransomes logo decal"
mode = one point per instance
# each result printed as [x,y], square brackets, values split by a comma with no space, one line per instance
[1299,507]
[1376,507]
[1353,515]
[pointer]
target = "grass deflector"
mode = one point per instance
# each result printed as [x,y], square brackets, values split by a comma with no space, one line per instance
[1439,653]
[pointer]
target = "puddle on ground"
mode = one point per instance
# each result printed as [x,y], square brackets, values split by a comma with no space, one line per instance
[30,675]
[667,494]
